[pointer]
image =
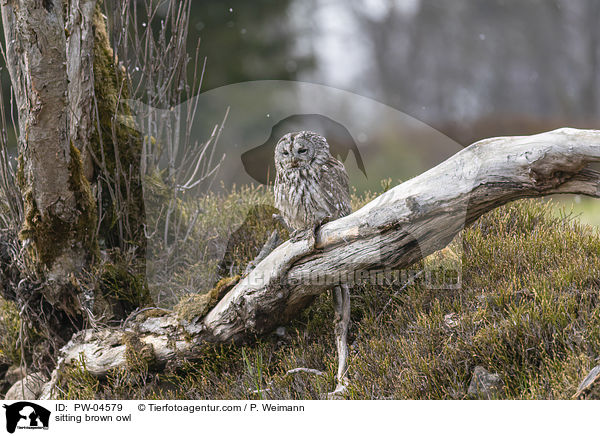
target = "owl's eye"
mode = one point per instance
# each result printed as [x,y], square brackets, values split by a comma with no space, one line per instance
[285,153]
[302,151]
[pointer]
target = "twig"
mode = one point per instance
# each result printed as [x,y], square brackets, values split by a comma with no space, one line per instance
[306,370]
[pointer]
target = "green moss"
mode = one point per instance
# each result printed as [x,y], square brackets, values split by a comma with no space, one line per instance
[87,219]
[197,305]
[10,352]
[122,288]
[118,146]
[139,355]
[18,339]
[52,235]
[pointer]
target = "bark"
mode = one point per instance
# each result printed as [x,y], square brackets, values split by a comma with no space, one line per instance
[73,147]
[80,74]
[59,208]
[395,230]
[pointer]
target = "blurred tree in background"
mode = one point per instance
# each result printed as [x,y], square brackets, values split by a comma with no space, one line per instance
[244,40]
[474,69]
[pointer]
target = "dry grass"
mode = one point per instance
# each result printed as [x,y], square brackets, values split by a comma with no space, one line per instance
[527,310]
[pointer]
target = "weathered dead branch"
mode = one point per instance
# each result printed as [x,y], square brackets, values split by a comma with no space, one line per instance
[395,230]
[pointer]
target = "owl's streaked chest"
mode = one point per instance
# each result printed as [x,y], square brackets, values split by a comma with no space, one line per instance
[299,197]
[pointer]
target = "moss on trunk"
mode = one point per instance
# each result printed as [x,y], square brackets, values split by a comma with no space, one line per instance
[53,235]
[117,148]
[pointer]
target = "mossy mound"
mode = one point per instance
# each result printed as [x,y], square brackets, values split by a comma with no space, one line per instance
[194,307]
[119,287]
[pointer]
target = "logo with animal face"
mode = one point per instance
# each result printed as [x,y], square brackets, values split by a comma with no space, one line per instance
[26,415]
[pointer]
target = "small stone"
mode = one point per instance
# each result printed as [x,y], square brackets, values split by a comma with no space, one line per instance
[29,388]
[280,331]
[451,320]
[589,389]
[484,384]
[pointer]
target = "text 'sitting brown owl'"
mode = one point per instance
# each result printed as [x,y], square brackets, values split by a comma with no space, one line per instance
[312,187]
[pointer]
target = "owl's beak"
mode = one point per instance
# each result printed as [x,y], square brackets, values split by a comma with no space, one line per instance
[294,162]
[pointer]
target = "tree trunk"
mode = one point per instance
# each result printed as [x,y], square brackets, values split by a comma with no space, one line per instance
[75,154]
[60,213]
[395,230]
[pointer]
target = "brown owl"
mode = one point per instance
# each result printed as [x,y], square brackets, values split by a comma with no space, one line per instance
[311,187]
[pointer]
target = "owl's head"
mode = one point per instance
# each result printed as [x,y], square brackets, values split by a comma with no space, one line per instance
[299,149]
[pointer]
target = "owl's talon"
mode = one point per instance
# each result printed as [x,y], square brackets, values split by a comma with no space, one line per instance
[325,220]
[299,235]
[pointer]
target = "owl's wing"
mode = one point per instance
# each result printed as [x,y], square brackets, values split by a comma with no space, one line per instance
[335,188]
[280,197]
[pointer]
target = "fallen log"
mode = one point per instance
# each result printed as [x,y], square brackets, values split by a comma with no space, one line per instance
[395,230]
